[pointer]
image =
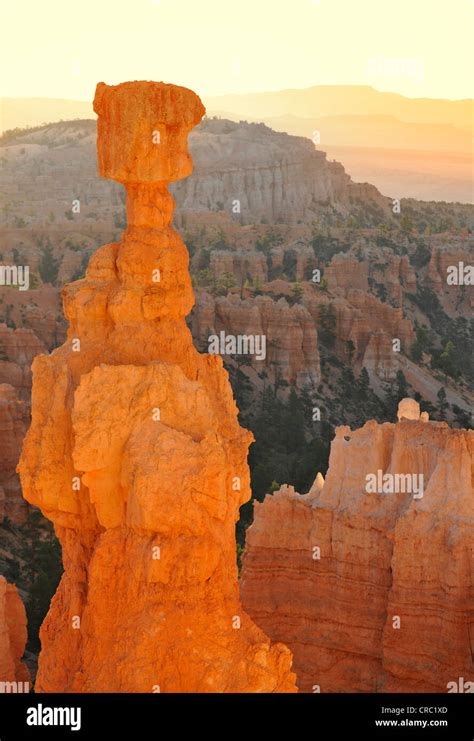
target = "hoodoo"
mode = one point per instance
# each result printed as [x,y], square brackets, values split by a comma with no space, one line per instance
[372,591]
[135,452]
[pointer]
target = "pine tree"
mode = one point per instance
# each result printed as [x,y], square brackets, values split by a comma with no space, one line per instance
[402,385]
[48,266]
[443,405]
[363,384]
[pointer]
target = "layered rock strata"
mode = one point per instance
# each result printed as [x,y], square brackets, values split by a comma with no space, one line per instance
[135,452]
[373,591]
[273,176]
[14,419]
[18,348]
[14,675]
[291,339]
[371,326]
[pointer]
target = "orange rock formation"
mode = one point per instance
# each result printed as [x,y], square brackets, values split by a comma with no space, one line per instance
[372,592]
[12,637]
[291,337]
[14,420]
[135,452]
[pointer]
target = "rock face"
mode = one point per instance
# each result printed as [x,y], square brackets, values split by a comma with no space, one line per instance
[14,419]
[12,637]
[239,264]
[372,592]
[379,358]
[345,273]
[370,325]
[442,257]
[135,452]
[272,175]
[291,338]
[37,314]
[18,347]
[455,297]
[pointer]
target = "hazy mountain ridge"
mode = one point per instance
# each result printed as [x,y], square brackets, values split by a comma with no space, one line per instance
[419,148]
[332,100]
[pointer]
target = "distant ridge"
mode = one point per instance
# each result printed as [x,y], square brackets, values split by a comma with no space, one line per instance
[313,102]
[21,112]
[418,147]
[341,100]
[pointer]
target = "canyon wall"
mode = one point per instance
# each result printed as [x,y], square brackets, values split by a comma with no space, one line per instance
[372,592]
[18,347]
[272,175]
[370,325]
[135,452]
[291,352]
[275,178]
[14,420]
[12,636]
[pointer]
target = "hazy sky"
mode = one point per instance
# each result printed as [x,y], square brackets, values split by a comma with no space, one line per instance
[61,48]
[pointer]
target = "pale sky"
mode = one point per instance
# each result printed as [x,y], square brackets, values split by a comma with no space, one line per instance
[62,48]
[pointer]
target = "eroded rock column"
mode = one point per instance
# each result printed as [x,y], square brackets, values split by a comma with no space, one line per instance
[135,452]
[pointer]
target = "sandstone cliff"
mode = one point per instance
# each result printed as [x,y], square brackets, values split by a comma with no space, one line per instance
[275,178]
[12,636]
[14,420]
[17,349]
[271,174]
[370,325]
[291,336]
[345,272]
[135,452]
[372,592]
[457,296]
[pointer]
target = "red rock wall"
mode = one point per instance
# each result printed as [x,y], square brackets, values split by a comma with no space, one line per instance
[14,421]
[291,337]
[381,556]
[13,635]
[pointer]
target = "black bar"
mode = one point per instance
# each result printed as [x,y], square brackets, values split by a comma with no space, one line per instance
[318,716]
